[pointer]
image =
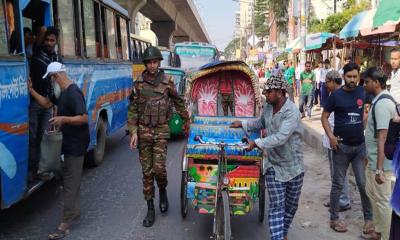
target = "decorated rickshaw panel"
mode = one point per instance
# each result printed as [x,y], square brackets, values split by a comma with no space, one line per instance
[205,92]
[243,167]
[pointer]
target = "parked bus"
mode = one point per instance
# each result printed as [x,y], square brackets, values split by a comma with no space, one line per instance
[138,44]
[178,75]
[94,45]
[195,54]
[170,58]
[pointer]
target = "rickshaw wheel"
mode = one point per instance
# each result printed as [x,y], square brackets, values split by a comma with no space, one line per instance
[223,218]
[261,198]
[184,200]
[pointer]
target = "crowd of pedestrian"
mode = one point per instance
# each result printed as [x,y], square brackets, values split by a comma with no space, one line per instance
[359,112]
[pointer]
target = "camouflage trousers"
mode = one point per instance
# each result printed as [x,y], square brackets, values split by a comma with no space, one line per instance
[153,158]
[227,104]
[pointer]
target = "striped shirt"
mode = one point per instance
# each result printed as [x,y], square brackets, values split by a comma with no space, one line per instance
[283,143]
[395,85]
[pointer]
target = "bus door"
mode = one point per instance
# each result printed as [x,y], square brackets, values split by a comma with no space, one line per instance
[14,103]
[36,16]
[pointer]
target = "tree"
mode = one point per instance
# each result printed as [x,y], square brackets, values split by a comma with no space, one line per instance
[261,23]
[335,22]
[280,10]
[230,49]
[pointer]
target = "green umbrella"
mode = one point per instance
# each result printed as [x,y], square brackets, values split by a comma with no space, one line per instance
[388,10]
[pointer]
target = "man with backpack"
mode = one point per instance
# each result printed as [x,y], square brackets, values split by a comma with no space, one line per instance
[379,170]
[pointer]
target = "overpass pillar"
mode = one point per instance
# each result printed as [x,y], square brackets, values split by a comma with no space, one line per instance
[163,31]
[133,7]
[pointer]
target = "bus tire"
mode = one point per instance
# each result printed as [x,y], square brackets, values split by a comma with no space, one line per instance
[96,155]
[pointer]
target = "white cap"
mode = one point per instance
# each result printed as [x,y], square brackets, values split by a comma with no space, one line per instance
[54,67]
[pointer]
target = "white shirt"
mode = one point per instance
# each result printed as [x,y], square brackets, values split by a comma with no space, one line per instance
[325,139]
[341,72]
[317,73]
[395,85]
[297,73]
[323,73]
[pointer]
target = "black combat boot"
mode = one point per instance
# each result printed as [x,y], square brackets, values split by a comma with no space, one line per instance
[151,214]
[163,200]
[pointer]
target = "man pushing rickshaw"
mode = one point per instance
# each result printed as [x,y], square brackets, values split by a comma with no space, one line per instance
[283,146]
[230,149]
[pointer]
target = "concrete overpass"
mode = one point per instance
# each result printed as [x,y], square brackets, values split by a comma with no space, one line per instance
[172,20]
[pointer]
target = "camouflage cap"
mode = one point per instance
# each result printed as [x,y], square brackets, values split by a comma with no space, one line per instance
[275,82]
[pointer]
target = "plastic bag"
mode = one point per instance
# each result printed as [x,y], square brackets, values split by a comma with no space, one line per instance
[50,148]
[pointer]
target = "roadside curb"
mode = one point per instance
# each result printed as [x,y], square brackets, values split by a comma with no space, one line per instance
[312,137]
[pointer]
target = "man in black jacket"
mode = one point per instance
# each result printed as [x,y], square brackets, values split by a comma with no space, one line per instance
[38,116]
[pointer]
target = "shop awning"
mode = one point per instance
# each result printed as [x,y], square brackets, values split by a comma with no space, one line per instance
[367,27]
[388,13]
[316,40]
[352,28]
[293,45]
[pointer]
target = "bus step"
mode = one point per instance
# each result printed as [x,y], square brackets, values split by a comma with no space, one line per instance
[36,184]
[33,186]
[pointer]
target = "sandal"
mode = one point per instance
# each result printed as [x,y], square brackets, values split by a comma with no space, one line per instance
[368,227]
[338,226]
[59,234]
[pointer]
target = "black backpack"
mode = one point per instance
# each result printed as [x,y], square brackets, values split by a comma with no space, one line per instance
[393,129]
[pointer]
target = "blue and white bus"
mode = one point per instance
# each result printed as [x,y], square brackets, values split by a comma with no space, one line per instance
[94,45]
[195,54]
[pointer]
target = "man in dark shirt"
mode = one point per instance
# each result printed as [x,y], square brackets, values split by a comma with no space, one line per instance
[39,116]
[72,119]
[347,142]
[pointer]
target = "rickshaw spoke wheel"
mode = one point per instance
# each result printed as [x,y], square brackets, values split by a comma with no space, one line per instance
[223,221]
[184,200]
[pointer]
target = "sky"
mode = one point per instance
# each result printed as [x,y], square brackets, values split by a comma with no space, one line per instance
[219,19]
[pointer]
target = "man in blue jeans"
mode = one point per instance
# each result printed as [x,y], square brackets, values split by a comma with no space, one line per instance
[307,80]
[333,83]
[347,143]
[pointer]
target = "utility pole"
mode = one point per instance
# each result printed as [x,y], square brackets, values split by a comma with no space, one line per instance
[334,6]
[303,31]
[253,22]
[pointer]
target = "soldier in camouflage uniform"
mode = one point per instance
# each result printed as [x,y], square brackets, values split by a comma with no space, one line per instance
[148,116]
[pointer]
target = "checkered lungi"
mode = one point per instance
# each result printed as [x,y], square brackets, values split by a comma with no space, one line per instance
[283,202]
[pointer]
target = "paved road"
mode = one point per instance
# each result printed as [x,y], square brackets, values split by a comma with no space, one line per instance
[113,207]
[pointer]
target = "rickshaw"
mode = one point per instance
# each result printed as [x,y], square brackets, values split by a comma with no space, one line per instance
[218,176]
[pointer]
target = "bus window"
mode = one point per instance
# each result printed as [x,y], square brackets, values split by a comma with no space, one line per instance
[139,49]
[124,37]
[67,30]
[143,46]
[133,49]
[97,28]
[89,31]
[11,24]
[119,41]
[3,32]
[111,34]
[103,27]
